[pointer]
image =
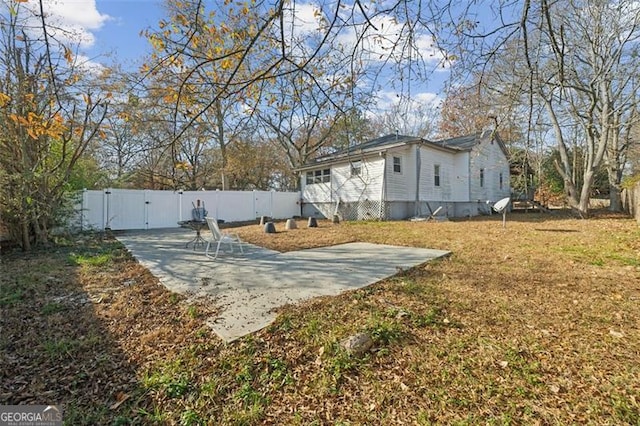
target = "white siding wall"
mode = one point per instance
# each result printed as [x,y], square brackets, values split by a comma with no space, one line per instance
[316,192]
[448,189]
[366,186]
[461,177]
[487,155]
[401,186]
[454,175]
[343,186]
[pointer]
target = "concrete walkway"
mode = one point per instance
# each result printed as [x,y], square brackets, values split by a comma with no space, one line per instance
[248,287]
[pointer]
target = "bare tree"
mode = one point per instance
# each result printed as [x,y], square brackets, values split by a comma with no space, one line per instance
[586,80]
[576,61]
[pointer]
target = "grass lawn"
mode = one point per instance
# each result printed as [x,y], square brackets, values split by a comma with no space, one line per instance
[538,323]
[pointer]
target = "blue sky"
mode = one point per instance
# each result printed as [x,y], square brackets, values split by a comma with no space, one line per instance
[119,35]
[110,30]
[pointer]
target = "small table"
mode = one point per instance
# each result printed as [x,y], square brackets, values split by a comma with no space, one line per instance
[198,226]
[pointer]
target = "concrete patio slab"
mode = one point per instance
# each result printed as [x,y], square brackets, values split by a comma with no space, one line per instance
[248,287]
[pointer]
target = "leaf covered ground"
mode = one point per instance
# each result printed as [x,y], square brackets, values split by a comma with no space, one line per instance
[538,323]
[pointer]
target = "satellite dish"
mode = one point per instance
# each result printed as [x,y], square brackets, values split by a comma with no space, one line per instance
[501,207]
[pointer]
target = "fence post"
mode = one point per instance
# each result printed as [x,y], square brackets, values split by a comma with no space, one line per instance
[271,204]
[217,204]
[82,204]
[253,198]
[106,225]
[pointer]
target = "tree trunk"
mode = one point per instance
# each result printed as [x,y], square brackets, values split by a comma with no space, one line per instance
[26,238]
[583,205]
[615,164]
[566,166]
[221,142]
[615,198]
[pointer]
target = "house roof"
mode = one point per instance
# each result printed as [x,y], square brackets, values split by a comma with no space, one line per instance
[381,142]
[467,142]
[461,143]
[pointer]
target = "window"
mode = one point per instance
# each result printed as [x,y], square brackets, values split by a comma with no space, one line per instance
[500,180]
[356,168]
[397,164]
[481,178]
[318,176]
[436,175]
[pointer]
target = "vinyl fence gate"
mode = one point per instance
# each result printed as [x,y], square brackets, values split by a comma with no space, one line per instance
[122,209]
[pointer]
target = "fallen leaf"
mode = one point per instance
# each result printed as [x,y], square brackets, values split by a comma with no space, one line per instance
[121,397]
[616,334]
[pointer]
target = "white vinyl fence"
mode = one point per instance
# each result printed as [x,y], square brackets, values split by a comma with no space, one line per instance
[120,209]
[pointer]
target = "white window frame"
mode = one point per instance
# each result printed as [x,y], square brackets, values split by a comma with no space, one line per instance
[318,176]
[436,175]
[481,178]
[356,168]
[326,175]
[398,164]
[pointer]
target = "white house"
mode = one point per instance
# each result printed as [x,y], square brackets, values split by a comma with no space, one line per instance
[397,177]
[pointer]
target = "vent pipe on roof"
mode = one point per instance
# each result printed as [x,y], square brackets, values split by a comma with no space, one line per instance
[490,129]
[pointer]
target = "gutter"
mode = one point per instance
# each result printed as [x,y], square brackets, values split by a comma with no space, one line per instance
[418,167]
[361,154]
[328,163]
[383,190]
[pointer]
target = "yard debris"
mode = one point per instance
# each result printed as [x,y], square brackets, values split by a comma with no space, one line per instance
[121,398]
[402,314]
[616,334]
[358,344]
[72,299]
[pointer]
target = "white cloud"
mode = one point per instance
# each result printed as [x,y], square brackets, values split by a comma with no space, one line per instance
[389,39]
[428,98]
[303,20]
[388,100]
[301,23]
[71,21]
[88,65]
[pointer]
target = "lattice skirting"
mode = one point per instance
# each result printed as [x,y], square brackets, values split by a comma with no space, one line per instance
[363,210]
[356,210]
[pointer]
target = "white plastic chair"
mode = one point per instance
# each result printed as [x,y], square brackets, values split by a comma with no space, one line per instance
[432,216]
[220,238]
